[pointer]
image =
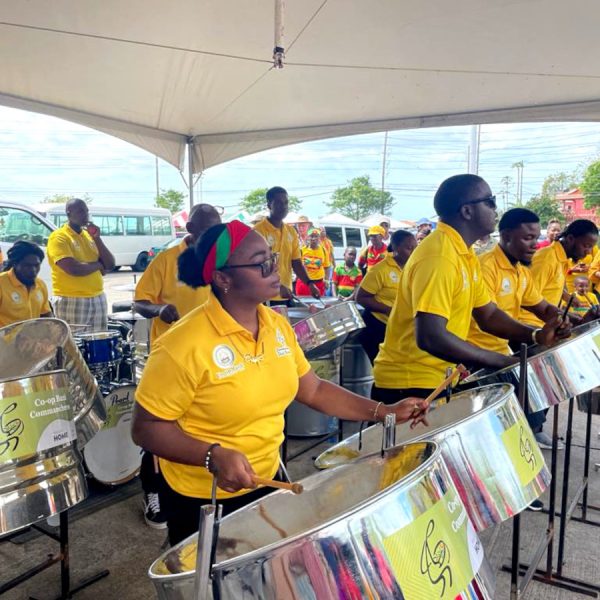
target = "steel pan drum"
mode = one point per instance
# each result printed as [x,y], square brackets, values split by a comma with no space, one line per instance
[385,528]
[322,332]
[487,444]
[555,374]
[30,347]
[40,468]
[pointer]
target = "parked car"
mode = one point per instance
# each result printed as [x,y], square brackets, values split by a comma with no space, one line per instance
[155,250]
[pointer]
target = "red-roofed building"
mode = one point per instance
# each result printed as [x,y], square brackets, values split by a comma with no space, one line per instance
[572,206]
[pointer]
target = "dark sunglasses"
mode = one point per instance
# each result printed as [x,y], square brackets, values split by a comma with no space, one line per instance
[266,267]
[488,201]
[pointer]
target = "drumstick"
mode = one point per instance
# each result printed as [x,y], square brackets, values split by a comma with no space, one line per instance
[457,371]
[297,488]
[565,312]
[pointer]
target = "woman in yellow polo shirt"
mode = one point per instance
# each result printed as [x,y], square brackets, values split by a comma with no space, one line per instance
[378,290]
[212,397]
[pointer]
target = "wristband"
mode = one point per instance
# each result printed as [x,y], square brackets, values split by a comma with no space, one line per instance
[376,410]
[534,335]
[208,456]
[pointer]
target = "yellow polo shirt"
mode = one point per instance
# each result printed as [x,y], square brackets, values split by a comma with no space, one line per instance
[586,260]
[382,281]
[510,287]
[66,242]
[159,284]
[442,277]
[594,268]
[549,269]
[221,386]
[18,303]
[284,241]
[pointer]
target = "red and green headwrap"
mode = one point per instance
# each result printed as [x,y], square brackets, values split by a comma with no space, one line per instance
[216,246]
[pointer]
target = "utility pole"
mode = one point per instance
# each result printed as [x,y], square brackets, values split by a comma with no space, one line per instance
[157,178]
[383,168]
[519,166]
[473,155]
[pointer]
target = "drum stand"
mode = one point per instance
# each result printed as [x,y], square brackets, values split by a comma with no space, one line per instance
[66,591]
[549,576]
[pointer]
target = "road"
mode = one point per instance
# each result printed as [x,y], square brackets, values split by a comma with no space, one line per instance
[114,280]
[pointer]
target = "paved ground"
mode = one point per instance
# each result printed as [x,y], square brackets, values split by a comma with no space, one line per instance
[115,537]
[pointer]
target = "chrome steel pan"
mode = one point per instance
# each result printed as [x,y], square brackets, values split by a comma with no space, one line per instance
[380,528]
[554,374]
[30,347]
[322,332]
[40,467]
[488,447]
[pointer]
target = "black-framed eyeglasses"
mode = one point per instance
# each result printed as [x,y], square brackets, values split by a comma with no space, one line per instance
[266,267]
[489,201]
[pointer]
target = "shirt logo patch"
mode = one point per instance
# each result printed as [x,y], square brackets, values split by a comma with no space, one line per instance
[16,297]
[283,349]
[465,276]
[506,288]
[223,356]
[39,296]
[394,276]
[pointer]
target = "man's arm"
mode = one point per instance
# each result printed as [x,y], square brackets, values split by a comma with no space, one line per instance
[147,298]
[74,267]
[106,256]
[367,300]
[433,337]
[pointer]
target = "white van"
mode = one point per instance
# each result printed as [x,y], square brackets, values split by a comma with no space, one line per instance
[344,232]
[19,222]
[129,233]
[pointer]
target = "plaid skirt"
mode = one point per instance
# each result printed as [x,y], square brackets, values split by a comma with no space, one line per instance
[91,312]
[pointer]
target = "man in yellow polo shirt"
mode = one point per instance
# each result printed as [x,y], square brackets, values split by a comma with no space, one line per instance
[160,296]
[78,259]
[511,287]
[283,240]
[23,295]
[550,265]
[441,288]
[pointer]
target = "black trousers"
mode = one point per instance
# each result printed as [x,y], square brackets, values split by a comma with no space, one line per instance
[150,480]
[372,335]
[183,512]
[392,395]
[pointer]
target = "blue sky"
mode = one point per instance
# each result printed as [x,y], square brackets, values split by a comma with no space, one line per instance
[40,156]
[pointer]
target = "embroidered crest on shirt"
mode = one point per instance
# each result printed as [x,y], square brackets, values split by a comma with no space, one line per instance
[16,297]
[505,286]
[394,276]
[223,356]
[283,349]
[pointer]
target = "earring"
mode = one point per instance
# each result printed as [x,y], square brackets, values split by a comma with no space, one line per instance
[225,290]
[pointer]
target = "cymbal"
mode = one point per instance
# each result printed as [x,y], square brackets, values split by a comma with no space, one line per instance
[126,315]
[125,287]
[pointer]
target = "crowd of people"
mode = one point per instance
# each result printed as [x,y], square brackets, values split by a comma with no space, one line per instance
[224,367]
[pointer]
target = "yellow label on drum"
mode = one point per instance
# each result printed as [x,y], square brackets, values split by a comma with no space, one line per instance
[523,450]
[437,555]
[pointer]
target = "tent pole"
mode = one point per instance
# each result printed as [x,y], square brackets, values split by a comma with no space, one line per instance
[190,153]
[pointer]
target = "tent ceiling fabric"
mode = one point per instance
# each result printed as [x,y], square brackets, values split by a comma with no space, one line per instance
[158,74]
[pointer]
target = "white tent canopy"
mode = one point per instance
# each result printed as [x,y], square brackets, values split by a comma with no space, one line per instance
[165,74]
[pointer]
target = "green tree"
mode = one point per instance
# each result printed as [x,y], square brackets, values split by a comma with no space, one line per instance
[545,204]
[256,201]
[359,199]
[64,198]
[545,208]
[590,186]
[171,199]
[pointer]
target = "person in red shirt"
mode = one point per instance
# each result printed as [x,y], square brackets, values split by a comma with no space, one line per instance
[376,250]
[553,230]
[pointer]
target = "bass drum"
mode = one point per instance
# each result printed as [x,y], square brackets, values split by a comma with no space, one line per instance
[111,456]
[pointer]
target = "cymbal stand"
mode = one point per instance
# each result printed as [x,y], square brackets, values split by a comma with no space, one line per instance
[63,556]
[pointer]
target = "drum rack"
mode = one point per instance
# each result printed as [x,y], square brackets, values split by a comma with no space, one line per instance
[63,557]
[549,576]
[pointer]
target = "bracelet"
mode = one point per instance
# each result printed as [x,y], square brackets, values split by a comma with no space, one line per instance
[534,334]
[376,410]
[208,456]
